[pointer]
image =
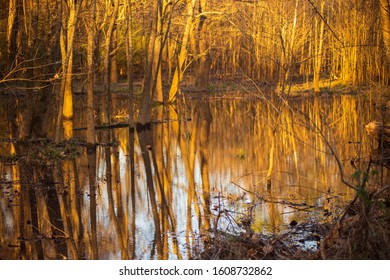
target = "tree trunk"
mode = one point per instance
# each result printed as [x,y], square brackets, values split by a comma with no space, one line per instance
[158,46]
[385,17]
[319,40]
[12,30]
[106,118]
[131,153]
[178,75]
[91,33]
[129,60]
[114,58]
[152,77]
[203,71]
[146,106]
[65,108]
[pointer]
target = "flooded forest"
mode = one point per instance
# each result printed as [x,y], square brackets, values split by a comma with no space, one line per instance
[194,129]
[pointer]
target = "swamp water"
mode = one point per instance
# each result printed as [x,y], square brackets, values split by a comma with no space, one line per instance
[203,168]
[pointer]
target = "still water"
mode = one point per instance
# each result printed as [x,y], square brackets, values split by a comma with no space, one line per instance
[206,166]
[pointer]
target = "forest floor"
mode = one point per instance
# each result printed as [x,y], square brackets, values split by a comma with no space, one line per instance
[243,87]
[219,88]
[238,88]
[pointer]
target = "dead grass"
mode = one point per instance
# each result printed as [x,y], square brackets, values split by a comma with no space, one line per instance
[365,235]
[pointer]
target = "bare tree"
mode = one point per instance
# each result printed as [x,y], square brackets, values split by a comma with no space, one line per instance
[69,16]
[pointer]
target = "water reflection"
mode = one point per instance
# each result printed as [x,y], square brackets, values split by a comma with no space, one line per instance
[157,192]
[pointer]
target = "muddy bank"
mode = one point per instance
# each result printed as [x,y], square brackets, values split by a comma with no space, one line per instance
[362,233]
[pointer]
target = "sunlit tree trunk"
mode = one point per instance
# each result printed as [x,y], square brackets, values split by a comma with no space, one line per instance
[291,46]
[106,118]
[273,212]
[12,30]
[385,17]
[385,20]
[91,33]
[154,59]
[114,58]
[147,93]
[181,56]
[129,59]
[91,137]
[131,161]
[67,58]
[203,66]
[158,46]
[65,108]
[319,28]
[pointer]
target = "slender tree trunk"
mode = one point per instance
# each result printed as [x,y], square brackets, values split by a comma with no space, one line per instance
[203,71]
[12,30]
[153,64]
[319,41]
[129,59]
[106,118]
[158,46]
[65,108]
[178,75]
[91,137]
[385,20]
[91,33]
[146,102]
[114,58]
[130,79]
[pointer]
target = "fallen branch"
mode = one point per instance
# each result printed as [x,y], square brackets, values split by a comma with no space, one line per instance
[126,124]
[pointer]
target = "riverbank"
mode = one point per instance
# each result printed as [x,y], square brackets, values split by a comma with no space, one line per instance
[361,232]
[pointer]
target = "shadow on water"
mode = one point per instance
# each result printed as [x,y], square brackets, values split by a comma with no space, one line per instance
[160,191]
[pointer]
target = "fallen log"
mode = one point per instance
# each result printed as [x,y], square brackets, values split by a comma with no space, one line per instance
[126,124]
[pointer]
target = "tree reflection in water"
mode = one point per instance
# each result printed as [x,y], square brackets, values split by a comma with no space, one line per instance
[155,192]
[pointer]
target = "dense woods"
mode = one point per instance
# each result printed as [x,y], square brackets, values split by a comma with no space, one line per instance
[272,41]
[62,46]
